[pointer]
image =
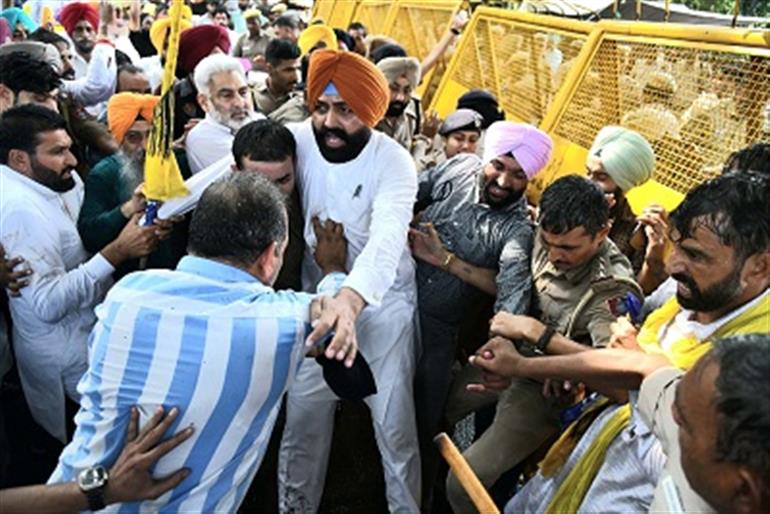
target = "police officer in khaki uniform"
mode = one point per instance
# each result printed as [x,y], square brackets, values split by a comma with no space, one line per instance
[582,283]
[401,121]
[283,68]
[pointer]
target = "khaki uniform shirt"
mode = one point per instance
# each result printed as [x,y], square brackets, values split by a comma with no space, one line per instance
[581,303]
[266,102]
[250,48]
[293,110]
[656,396]
[403,128]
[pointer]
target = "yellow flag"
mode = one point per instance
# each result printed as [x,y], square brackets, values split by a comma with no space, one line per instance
[162,178]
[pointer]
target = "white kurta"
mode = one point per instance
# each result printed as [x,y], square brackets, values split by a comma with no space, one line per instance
[372,197]
[207,143]
[55,313]
[95,81]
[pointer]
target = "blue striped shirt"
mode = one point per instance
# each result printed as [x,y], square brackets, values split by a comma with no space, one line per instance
[209,339]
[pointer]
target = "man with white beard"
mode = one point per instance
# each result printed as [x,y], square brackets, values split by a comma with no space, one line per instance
[113,187]
[225,96]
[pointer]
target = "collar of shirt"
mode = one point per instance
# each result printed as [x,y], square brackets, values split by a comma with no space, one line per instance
[215,270]
[573,276]
[213,124]
[40,189]
[702,332]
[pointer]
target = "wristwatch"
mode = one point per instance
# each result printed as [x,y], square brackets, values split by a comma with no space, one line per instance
[545,338]
[92,482]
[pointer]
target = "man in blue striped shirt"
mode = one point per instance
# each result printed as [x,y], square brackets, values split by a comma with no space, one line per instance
[211,338]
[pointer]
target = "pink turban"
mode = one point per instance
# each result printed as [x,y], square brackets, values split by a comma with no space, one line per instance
[530,146]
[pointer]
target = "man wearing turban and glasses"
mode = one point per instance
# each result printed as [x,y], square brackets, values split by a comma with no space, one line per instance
[364,180]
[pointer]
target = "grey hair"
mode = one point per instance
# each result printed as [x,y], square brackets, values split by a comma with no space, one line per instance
[210,66]
[743,401]
[237,218]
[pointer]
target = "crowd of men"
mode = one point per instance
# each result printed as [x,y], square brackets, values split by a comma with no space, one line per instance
[340,243]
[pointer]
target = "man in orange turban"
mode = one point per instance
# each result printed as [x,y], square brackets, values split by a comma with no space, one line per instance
[357,81]
[113,188]
[365,181]
[81,21]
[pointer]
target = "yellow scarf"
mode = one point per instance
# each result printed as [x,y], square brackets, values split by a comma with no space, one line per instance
[683,353]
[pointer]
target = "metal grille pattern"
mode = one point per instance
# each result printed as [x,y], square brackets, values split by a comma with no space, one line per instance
[418,26]
[341,14]
[323,9]
[695,102]
[374,15]
[521,63]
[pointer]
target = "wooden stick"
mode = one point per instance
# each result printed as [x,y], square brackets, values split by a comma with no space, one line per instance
[465,475]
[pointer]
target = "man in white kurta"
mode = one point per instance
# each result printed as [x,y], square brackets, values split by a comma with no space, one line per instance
[40,198]
[367,182]
[225,96]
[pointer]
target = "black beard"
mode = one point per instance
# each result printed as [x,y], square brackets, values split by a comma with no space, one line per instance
[85,47]
[714,298]
[68,75]
[395,109]
[49,178]
[513,197]
[354,144]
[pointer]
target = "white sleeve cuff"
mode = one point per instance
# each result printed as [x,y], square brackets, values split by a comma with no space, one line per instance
[98,268]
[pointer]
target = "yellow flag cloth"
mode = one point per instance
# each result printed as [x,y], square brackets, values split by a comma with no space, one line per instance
[162,178]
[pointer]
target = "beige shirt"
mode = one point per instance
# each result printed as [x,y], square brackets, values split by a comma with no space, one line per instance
[266,102]
[293,110]
[402,128]
[581,303]
[673,493]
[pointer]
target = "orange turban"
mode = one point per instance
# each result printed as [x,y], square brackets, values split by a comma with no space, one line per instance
[73,12]
[124,108]
[359,82]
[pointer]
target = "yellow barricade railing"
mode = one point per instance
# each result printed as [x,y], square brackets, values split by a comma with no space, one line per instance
[374,14]
[323,9]
[697,93]
[418,26]
[521,58]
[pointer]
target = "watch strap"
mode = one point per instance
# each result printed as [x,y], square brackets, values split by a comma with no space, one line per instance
[542,343]
[95,499]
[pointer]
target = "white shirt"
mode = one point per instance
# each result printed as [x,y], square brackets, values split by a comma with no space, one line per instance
[209,141]
[54,314]
[95,81]
[372,196]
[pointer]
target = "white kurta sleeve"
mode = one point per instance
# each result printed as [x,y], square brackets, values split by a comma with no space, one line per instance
[53,291]
[99,83]
[374,270]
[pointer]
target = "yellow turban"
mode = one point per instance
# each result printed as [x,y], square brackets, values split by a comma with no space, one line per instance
[315,34]
[357,80]
[123,110]
[160,29]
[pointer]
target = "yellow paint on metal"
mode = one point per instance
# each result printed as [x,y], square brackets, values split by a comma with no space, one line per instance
[522,58]
[342,14]
[374,14]
[418,26]
[696,93]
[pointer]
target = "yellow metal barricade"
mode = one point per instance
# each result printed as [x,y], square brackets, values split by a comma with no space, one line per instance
[522,58]
[697,93]
[342,14]
[374,14]
[323,9]
[418,26]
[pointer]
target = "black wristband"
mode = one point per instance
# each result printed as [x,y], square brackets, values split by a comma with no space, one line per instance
[545,338]
[455,31]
